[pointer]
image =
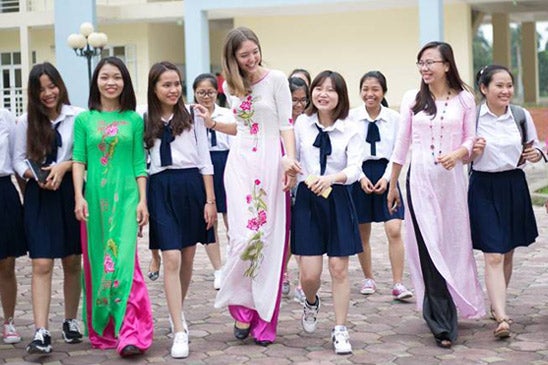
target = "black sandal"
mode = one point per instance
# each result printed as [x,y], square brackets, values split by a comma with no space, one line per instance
[502,332]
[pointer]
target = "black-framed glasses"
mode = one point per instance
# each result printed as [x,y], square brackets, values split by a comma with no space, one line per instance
[203,93]
[302,101]
[428,63]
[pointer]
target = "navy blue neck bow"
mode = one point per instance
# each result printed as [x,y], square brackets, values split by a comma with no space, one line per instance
[323,142]
[373,136]
[55,144]
[213,137]
[165,146]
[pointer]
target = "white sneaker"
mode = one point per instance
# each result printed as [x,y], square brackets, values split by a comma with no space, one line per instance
[368,286]
[217,280]
[185,326]
[10,335]
[310,314]
[341,341]
[179,349]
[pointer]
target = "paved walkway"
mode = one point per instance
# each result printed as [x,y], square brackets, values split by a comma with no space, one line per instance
[382,330]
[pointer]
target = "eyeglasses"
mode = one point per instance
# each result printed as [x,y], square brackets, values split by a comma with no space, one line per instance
[203,94]
[303,101]
[427,63]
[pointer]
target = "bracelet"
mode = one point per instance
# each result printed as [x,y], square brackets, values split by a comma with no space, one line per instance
[214,125]
[210,201]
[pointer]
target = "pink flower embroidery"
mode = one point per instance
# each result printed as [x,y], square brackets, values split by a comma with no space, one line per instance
[111,130]
[102,147]
[290,120]
[108,264]
[262,217]
[104,160]
[115,284]
[248,198]
[254,129]
[253,224]
[257,182]
[254,149]
[117,300]
[245,105]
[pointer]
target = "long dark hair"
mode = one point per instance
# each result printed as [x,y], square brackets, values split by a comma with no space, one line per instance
[127,97]
[343,106]
[153,121]
[235,78]
[382,81]
[40,135]
[424,101]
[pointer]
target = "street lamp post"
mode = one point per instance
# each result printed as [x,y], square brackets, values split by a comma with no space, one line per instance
[87,43]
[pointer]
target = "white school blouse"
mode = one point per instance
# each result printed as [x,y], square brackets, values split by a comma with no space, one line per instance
[66,129]
[188,150]
[503,146]
[388,122]
[346,148]
[224,140]
[7,131]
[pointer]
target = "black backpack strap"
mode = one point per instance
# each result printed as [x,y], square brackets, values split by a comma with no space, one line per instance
[519,118]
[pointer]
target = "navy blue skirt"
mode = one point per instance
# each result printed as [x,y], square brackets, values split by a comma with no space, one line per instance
[373,207]
[176,200]
[501,213]
[12,238]
[50,224]
[218,159]
[320,225]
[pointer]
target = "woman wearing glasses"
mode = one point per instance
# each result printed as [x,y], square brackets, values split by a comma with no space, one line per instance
[438,122]
[299,100]
[205,93]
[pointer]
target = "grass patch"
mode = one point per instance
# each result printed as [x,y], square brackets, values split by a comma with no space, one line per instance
[543,190]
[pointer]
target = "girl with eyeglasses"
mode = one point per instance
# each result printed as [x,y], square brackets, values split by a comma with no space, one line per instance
[299,100]
[379,126]
[205,93]
[438,123]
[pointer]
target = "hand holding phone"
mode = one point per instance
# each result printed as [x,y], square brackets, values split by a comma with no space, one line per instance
[526,146]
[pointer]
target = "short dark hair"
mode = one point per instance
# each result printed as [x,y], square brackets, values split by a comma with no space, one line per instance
[127,97]
[485,75]
[424,100]
[296,83]
[343,106]
[301,71]
[380,78]
[203,77]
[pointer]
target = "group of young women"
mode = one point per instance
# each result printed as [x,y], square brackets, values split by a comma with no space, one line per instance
[344,165]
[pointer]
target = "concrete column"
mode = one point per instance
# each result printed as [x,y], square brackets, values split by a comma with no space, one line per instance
[430,21]
[69,14]
[501,39]
[529,62]
[196,44]
[24,43]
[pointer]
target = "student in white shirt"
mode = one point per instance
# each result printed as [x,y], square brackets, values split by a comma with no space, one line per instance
[501,214]
[379,126]
[45,135]
[12,239]
[330,150]
[180,194]
[205,93]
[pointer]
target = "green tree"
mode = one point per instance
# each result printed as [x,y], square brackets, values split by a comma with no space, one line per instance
[482,51]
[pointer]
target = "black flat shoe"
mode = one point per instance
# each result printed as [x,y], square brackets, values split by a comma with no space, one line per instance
[263,343]
[130,350]
[241,333]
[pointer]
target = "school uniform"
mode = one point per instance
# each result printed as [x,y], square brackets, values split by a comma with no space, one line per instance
[326,225]
[176,192]
[501,213]
[12,239]
[379,136]
[219,146]
[51,227]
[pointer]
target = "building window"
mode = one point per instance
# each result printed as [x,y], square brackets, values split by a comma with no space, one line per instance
[9,6]
[11,82]
[127,54]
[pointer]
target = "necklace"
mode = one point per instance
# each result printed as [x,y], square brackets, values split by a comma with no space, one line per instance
[442,117]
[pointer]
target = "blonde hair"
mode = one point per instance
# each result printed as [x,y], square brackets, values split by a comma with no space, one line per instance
[238,85]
